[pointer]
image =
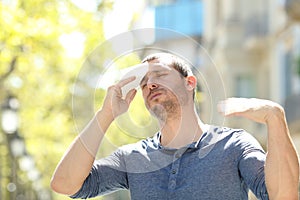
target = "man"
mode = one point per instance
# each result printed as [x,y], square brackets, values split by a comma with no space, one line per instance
[186,159]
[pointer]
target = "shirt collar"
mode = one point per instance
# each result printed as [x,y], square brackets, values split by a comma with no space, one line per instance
[157,136]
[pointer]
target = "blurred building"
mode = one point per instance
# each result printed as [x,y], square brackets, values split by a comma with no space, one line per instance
[254,47]
[239,48]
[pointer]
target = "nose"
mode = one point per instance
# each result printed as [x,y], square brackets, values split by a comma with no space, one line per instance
[152,86]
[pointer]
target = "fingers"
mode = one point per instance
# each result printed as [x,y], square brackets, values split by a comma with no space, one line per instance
[117,87]
[222,107]
[258,110]
[125,85]
[125,81]
[130,96]
[236,106]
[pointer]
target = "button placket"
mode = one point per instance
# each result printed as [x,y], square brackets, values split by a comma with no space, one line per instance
[174,172]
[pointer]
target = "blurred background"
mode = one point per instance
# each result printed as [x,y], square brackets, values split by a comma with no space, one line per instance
[254,46]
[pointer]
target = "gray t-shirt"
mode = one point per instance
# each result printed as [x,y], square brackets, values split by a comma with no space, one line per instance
[223,164]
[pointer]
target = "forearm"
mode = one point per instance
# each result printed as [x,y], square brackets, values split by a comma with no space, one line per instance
[78,159]
[282,165]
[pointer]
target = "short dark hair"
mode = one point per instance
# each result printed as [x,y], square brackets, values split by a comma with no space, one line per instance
[177,63]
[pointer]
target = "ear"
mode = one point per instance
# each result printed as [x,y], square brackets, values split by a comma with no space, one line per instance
[191,82]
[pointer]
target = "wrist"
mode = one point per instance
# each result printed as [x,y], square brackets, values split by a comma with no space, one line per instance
[275,114]
[104,118]
[104,114]
[277,125]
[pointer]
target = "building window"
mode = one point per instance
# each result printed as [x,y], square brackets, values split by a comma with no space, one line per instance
[288,62]
[182,16]
[256,19]
[245,86]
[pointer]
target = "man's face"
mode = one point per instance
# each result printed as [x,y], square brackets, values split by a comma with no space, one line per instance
[164,90]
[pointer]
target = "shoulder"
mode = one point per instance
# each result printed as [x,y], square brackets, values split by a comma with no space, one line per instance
[243,138]
[230,137]
[231,133]
[215,134]
[142,146]
[240,140]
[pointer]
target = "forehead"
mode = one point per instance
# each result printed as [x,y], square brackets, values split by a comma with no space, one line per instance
[159,65]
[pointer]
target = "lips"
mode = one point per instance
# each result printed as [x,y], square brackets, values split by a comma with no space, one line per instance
[154,93]
[154,96]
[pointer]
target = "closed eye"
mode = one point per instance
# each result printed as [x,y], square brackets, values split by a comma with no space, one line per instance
[143,82]
[155,74]
[161,73]
[142,86]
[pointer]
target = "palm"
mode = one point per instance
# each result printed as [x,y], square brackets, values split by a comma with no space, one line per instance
[114,100]
[257,110]
[119,105]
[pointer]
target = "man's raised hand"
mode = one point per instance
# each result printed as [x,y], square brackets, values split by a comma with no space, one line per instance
[258,110]
[114,102]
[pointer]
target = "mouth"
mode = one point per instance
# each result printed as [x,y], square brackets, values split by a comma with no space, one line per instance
[152,97]
[154,94]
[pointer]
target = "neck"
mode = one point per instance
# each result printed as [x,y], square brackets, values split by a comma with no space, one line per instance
[181,131]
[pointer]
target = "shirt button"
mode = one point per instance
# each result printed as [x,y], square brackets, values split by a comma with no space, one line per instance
[177,155]
[174,171]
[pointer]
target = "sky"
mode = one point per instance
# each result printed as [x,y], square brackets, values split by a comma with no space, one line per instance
[119,18]
[115,22]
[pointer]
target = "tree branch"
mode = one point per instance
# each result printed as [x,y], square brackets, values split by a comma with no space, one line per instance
[12,67]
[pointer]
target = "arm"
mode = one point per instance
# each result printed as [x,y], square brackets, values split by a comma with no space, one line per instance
[78,160]
[282,165]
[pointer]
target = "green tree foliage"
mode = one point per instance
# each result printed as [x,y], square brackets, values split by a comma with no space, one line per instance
[41,72]
[37,69]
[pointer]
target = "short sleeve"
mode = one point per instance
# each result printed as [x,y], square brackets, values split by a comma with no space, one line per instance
[107,175]
[251,163]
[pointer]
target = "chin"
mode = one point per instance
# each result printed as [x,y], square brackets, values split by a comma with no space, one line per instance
[158,111]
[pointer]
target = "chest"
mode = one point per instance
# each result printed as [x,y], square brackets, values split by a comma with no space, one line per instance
[187,175]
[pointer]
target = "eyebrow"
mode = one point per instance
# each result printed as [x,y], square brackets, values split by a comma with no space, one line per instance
[152,72]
